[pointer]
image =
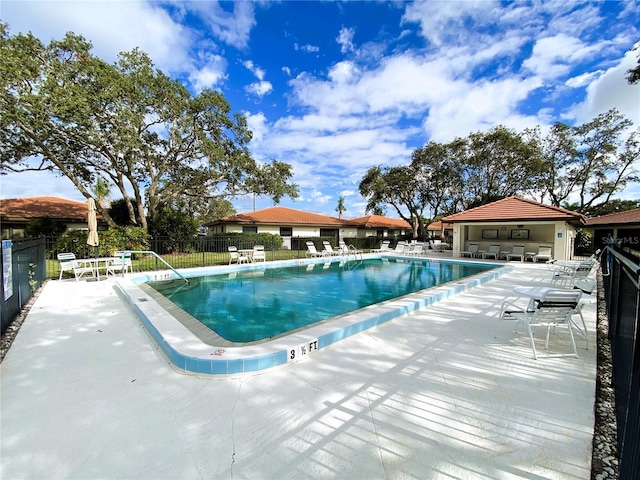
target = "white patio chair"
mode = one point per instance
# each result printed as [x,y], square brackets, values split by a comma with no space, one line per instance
[68,262]
[121,263]
[471,252]
[259,254]
[239,257]
[552,311]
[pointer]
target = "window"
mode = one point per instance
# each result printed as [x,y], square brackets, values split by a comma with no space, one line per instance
[329,232]
[249,229]
[286,231]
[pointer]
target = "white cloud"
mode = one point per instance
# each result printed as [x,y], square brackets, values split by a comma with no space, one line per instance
[611,90]
[553,57]
[582,80]
[345,39]
[232,28]
[257,71]
[319,198]
[259,89]
[139,24]
[306,48]
[442,22]
[210,74]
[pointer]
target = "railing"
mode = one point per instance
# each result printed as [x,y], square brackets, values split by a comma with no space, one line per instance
[621,274]
[151,252]
[22,268]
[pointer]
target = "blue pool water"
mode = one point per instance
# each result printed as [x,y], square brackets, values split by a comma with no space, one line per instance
[254,305]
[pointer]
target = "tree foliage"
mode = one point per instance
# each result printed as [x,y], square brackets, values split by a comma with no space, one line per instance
[633,74]
[65,110]
[590,162]
[445,178]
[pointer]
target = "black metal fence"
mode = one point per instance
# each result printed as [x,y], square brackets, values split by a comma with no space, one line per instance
[621,273]
[204,251]
[23,271]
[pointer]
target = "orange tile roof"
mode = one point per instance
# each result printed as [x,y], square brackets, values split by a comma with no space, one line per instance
[514,209]
[378,221]
[16,209]
[290,216]
[438,226]
[282,215]
[630,216]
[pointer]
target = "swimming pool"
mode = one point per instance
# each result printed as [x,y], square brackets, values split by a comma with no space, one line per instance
[254,305]
[194,348]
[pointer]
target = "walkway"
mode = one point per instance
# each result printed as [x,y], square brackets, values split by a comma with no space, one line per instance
[432,395]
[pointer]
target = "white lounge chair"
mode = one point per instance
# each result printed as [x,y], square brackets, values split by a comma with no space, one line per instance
[239,257]
[415,249]
[400,248]
[68,262]
[312,252]
[493,252]
[471,252]
[577,277]
[544,253]
[384,247]
[121,263]
[258,254]
[436,245]
[516,252]
[552,311]
[328,249]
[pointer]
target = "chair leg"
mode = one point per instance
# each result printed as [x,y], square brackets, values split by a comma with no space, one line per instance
[533,343]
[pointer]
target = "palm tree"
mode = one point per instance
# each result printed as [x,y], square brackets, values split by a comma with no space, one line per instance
[102,190]
[341,208]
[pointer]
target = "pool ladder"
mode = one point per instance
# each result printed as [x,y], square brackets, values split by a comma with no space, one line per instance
[151,252]
[351,250]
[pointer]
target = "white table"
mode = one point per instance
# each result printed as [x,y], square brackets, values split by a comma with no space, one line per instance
[246,252]
[536,294]
[99,262]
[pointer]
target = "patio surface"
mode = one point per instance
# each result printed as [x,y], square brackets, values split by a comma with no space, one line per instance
[86,394]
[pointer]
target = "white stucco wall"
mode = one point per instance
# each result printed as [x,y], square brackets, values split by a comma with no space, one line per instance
[559,235]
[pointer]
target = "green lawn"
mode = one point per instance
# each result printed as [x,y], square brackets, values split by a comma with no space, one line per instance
[145,263]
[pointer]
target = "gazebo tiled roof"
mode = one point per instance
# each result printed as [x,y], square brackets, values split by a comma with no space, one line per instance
[620,218]
[512,209]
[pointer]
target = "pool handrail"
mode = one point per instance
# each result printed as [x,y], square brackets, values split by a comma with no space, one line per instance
[151,252]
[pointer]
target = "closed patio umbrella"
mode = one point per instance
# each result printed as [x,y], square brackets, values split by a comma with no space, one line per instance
[92,238]
[92,221]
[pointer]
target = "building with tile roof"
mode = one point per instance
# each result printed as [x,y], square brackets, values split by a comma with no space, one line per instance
[289,223]
[15,213]
[440,230]
[516,221]
[621,227]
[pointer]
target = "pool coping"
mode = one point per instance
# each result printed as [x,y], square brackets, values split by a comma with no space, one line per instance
[189,354]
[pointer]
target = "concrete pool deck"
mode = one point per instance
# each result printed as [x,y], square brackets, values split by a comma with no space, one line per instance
[86,394]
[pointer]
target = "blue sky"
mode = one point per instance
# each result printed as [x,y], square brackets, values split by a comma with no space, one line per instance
[334,88]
